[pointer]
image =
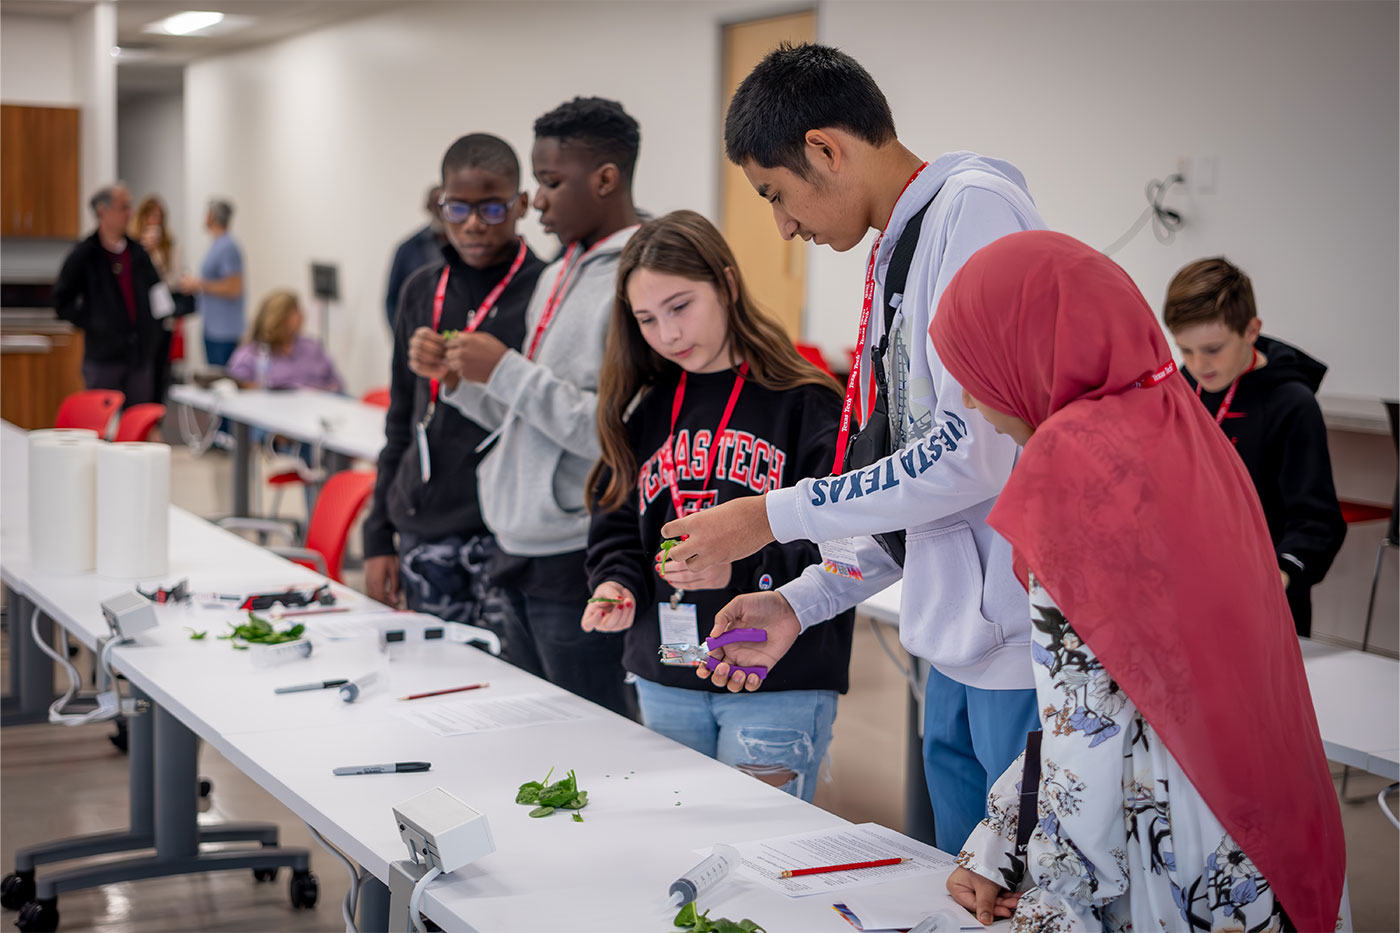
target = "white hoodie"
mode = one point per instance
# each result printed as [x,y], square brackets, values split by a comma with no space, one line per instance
[963,610]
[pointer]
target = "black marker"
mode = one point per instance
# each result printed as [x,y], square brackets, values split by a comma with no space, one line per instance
[396,767]
[323,685]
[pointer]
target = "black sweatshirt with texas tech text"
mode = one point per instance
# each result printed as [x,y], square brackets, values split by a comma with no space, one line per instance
[773,439]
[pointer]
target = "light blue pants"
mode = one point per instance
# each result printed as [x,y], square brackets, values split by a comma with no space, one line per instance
[970,737]
[758,733]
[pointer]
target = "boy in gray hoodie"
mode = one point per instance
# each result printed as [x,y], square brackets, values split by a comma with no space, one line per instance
[539,403]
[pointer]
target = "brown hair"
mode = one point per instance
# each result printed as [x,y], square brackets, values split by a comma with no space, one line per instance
[1209,290]
[270,324]
[685,244]
[138,223]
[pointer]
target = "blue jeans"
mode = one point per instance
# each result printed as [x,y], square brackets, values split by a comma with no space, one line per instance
[970,737]
[542,636]
[217,352]
[758,733]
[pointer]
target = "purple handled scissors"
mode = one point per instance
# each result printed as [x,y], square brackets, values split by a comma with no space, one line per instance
[686,655]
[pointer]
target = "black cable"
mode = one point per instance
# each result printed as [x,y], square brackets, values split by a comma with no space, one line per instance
[1165,221]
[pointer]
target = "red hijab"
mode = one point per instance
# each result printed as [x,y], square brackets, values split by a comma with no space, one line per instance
[1142,524]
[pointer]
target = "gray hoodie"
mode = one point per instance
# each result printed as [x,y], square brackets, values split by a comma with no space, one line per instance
[543,412]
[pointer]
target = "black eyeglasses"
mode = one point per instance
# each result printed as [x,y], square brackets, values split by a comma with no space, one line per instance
[491,212]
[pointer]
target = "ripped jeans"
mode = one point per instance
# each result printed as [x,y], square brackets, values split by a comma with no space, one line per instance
[780,738]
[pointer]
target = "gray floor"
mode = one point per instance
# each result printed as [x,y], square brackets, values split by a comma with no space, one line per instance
[57,781]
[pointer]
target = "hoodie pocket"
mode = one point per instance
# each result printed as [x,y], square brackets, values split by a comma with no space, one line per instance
[943,590]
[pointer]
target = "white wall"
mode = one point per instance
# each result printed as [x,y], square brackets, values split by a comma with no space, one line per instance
[151,160]
[325,142]
[36,61]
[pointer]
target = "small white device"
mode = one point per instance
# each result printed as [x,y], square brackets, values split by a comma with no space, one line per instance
[351,692]
[128,614]
[426,628]
[442,831]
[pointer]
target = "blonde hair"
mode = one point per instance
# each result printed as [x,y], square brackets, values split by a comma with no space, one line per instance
[274,313]
[138,223]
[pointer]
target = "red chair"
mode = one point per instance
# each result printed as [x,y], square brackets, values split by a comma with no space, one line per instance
[813,354]
[342,498]
[139,422]
[94,409]
[378,397]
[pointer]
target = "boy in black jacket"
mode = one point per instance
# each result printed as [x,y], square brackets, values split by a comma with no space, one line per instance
[434,508]
[1261,392]
[105,288]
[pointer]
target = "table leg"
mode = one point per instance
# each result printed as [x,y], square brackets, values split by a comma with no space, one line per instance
[242,469]
[31,671]
[918,810]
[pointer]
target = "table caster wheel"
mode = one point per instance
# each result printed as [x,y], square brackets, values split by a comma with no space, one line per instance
[304,889]
[264,874]
[38,916]
[17,890]
[206,787]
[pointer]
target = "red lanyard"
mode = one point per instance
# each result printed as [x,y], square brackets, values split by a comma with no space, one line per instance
[1157,378]
[853,383]
[1229,399]
[668,456]
[479,315]
[557,293]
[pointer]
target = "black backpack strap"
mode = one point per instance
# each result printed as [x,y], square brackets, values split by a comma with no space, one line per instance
[1029,816]
[895,277]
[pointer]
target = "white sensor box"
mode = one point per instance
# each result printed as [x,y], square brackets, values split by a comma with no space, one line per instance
[443,831]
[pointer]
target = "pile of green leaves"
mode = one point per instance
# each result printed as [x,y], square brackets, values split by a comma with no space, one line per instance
[259,631]
[701,923]
[546,797]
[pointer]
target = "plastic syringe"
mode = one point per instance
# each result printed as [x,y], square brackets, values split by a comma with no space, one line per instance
[700,879]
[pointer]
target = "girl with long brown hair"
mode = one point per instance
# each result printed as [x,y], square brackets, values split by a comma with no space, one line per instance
[702,399]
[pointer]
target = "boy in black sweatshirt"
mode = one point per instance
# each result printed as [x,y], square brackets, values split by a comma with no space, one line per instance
[1261,392]
[433,507]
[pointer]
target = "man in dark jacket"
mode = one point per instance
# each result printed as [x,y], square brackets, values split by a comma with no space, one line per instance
[427,487]
[1262,393]
[105,288]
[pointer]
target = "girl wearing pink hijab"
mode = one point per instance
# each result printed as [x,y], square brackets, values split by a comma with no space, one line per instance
[1182,782]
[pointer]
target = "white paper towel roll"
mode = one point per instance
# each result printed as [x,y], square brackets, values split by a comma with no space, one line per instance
[133,509]
[62,491]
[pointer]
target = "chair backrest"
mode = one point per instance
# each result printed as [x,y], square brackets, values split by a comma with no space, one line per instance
[338,504]
[94,409]
[379,396]
[813,354]
[140,421]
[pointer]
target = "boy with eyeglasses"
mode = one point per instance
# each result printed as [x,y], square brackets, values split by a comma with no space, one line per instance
[540,402]
[426,493]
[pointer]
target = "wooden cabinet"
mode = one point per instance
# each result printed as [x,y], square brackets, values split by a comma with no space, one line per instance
[39,171]
[41,361]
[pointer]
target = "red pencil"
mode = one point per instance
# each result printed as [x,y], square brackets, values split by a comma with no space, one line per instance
[438,693]
[823,869]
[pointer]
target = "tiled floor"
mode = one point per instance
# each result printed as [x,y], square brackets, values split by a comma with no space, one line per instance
[57,781]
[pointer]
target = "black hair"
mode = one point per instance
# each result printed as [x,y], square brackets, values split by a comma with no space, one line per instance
[601,125]
[482,150]
[797,88]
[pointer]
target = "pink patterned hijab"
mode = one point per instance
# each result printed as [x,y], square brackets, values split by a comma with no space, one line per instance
[1142,524]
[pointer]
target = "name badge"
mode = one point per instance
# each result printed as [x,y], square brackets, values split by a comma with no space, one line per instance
[424,463]
[680,624]
[839,557]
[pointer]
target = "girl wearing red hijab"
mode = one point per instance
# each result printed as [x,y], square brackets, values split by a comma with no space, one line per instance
[1182,783]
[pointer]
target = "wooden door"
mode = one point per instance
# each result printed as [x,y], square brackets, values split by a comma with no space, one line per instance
[775,270]
[15,184]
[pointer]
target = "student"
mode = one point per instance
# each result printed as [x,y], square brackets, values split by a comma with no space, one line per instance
[1181,778]
[814,135]
[483,280]
[277,355]
[724,407]
[1262,393]
[540,402]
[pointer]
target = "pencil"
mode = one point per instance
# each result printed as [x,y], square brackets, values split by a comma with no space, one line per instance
[438,693]
[851,866]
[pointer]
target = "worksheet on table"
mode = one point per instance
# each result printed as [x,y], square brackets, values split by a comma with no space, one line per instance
[464,717]
[765,860]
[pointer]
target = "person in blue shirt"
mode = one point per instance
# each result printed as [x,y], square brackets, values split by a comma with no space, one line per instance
[219,287]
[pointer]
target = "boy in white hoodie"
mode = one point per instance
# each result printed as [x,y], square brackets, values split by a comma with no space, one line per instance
[815,137]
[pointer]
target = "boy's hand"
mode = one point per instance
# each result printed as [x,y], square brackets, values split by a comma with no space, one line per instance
[427,356]
[768,611]
[722,534]
[713,577]
[986,900]
[1284,574]
[382,579]
[474,356]
[610,616]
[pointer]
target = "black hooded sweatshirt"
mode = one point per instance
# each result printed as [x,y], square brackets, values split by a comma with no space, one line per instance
[1276,426]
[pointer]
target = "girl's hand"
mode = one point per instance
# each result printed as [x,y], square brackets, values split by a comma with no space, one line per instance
[713,577]
[984,899]
[610,616]
[720,534]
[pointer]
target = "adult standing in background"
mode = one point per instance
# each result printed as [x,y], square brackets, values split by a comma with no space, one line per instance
[219,287]
[424,248]
[148,228]
[104,288]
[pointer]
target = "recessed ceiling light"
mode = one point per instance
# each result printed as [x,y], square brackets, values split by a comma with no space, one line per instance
[187,23]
